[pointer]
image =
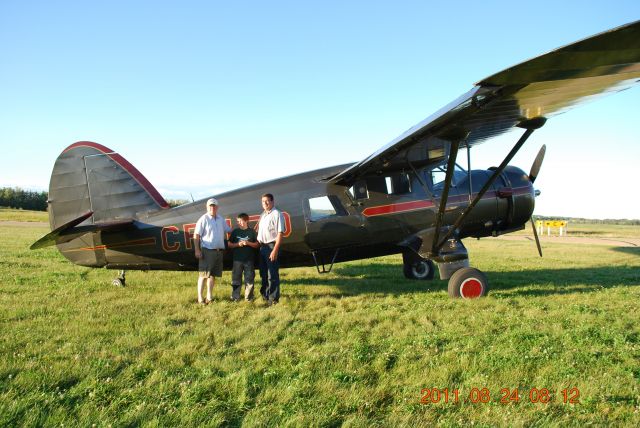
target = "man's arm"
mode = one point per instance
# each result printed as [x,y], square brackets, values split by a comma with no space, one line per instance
[196,244]
[276,248]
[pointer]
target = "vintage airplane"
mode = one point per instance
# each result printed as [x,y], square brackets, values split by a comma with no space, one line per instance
[409,197]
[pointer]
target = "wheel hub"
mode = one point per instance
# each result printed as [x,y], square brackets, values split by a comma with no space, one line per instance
[471,288]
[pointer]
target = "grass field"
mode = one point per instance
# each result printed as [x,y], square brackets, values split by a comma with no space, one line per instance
[356,347]
[9,214]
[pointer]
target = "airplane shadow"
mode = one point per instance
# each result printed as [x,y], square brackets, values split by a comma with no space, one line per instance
[635,251]
[387,278]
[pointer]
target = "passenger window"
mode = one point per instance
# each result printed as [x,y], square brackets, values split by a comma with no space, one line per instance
[377,184]
[325,206]
[359,190]
[399,184]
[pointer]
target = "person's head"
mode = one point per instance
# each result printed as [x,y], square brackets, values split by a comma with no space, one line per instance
[212,206]
[243,220]
[267,201]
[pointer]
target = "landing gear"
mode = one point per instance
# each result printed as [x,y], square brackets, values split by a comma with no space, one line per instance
[120,280]
[416,267]
[468,283]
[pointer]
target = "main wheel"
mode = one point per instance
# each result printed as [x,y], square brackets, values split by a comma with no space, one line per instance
[468,283]
[419,269]
[118,282]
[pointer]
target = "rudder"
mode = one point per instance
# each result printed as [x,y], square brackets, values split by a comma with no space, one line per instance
[90,177]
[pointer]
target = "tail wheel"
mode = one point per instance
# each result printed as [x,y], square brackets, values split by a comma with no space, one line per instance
[419,269]
[468,283]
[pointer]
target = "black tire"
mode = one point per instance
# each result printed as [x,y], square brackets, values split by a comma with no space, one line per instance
[468,283]
[421,269]
[117,282]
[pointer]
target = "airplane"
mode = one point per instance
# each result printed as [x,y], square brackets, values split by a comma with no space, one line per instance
[412,196]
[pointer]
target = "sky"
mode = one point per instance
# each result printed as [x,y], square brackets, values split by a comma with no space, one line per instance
[208,96]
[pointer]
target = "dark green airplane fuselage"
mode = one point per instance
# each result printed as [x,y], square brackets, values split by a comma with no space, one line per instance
[368,227]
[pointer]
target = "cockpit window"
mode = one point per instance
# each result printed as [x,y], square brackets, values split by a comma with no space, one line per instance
[325,206]
[439,173]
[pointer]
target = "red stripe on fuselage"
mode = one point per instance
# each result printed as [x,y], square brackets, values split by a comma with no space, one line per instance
[132,170]
[403,207]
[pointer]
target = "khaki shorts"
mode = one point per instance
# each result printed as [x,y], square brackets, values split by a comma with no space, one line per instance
[210,264]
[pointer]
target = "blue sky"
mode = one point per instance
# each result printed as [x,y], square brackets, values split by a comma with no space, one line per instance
[206,96]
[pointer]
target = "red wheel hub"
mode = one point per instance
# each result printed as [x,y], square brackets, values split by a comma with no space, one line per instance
[471,288]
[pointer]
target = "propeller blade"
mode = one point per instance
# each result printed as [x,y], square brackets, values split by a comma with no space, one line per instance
[537,163]
[535,234]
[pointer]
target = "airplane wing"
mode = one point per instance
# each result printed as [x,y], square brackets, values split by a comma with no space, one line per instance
[544,86]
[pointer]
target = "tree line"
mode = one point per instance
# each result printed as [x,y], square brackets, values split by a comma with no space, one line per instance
[579,220]
[15,197]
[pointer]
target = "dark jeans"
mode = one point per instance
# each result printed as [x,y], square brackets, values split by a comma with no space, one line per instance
[270,288]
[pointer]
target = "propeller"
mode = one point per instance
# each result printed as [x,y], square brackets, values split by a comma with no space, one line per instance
[533,174]
[537,163]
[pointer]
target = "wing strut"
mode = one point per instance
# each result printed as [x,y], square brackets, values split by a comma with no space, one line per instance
[530,126]
[453,153]
[421,180]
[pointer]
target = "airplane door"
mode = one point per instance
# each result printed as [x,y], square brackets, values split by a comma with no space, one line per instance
[330,225]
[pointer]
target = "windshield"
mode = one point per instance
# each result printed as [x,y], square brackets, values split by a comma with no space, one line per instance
[439,173]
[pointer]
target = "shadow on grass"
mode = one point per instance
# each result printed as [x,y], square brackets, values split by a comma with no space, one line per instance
[387,278]
[634,251]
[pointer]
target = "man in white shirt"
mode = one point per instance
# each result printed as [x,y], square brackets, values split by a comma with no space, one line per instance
[270,231]
[208,240]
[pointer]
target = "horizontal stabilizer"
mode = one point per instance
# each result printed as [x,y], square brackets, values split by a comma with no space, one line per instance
[70,230]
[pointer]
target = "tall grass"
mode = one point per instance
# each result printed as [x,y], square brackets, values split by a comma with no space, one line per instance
[355,347]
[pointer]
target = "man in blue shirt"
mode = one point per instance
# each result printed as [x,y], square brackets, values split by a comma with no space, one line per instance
[208,240]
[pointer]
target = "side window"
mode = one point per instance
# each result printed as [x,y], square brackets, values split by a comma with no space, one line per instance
[359,190]
[399,184]
[378,185]
[437,177]
[439,173]
[396,184]
[325,206]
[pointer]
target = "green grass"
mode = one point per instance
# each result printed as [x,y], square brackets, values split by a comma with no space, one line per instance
[603,230]
[10,214]
[354,347]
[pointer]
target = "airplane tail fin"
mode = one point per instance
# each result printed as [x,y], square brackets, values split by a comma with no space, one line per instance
[88,177]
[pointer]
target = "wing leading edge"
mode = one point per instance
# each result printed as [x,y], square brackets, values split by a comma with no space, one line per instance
[544,86]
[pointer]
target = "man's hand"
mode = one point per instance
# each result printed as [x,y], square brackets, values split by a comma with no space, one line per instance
[274,255]
[198,254]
